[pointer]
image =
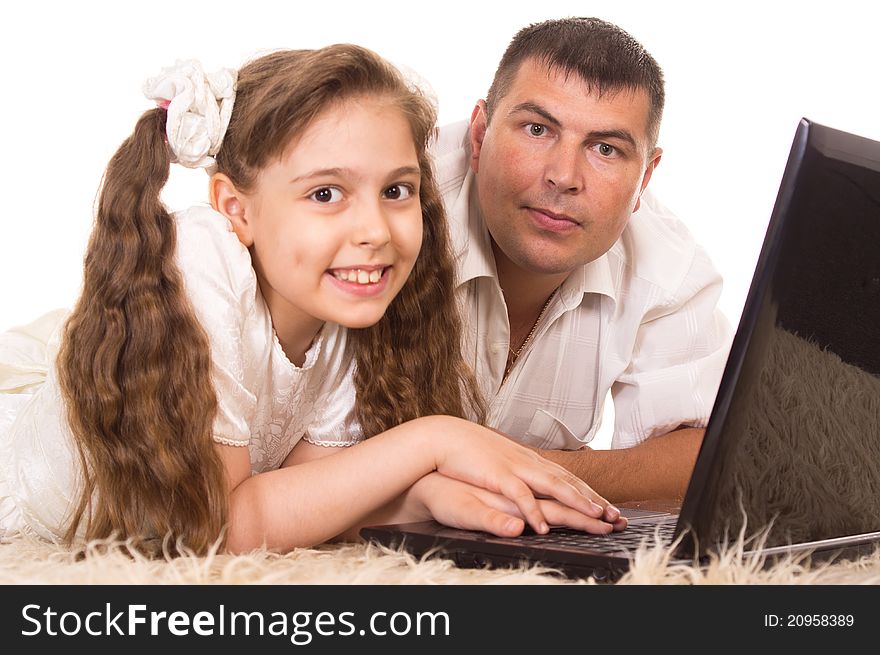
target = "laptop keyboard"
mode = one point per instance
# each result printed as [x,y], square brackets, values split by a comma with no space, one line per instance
[629,539]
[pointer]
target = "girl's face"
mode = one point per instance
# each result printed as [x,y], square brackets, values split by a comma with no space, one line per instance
[336,223]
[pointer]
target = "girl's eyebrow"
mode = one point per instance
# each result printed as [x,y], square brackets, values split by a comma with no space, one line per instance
[348,172]
[323,172]
[406,170]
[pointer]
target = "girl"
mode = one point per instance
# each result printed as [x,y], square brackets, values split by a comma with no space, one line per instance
[214,357]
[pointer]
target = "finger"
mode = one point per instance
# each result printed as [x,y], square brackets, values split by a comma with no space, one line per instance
[500,524]
[546,482]
[481,516]
[560,515]
[518,491]
[612,514]
[495,500]
[620,524]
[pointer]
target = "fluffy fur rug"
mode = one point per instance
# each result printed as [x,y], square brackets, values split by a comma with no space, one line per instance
[26,560]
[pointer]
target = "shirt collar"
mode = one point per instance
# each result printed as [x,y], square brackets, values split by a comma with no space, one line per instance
[594,277]
[475,254]
[476,260]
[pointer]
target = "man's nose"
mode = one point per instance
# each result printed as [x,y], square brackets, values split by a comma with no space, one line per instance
[564,169]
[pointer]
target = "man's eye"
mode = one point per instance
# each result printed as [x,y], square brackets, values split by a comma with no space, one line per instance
[327,194]
[606,150]
[398,192]
[536,129]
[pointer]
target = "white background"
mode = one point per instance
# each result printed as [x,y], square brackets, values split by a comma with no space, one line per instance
[739,77]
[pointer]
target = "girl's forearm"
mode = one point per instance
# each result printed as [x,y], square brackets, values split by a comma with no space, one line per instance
[313,502]
[406,508]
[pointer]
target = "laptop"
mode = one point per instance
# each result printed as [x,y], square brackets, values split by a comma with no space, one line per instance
[790,462]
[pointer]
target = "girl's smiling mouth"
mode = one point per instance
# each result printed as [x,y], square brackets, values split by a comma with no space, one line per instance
[361,280]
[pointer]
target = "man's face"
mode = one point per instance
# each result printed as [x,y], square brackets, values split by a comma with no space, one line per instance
[559,170]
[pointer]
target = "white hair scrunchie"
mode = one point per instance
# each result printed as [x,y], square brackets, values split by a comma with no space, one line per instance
[198,106]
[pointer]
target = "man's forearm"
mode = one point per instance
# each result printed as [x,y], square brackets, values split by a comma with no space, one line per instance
[659,468]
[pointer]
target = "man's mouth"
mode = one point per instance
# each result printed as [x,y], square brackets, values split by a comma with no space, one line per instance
[556,216]
[549,221]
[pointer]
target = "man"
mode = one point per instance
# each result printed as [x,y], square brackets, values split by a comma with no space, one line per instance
[573,280]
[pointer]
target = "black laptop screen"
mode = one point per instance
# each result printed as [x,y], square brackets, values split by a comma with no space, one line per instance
[794,439]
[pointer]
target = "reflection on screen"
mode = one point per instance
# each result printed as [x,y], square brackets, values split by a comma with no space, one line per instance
[800,449]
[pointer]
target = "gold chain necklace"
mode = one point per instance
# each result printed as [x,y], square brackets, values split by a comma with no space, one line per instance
[514,354]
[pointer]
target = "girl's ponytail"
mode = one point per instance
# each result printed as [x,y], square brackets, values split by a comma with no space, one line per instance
[135,370]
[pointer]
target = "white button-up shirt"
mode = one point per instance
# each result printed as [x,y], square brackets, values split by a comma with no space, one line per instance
[640,321]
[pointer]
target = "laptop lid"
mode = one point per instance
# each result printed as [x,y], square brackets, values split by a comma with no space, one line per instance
[794,436]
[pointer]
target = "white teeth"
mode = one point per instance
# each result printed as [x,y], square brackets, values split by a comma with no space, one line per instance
[359,276]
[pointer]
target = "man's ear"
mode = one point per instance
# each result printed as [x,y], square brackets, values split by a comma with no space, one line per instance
[230,202]
[653,162]
[479,125]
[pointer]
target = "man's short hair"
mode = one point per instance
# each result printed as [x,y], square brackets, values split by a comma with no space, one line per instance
[603,55]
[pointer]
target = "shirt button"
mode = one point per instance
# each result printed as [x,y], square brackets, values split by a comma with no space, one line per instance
[496,348]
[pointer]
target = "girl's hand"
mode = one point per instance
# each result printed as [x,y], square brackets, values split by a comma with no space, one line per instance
[484,458]
[462,505]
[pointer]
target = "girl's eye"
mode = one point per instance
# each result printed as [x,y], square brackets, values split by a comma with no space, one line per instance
[327,194]
[605,150]
[398,192]
[536,129]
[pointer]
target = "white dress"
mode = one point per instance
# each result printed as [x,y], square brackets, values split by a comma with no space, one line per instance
[265,403]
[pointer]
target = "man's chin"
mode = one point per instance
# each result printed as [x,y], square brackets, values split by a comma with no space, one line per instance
[536,256]
[547,264]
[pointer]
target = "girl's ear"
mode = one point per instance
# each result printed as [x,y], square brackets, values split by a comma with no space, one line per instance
[230,202]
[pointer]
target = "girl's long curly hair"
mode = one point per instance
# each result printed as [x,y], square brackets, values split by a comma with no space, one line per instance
[135,364]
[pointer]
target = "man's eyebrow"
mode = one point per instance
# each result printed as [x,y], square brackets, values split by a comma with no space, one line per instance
[622,135]
[537,109]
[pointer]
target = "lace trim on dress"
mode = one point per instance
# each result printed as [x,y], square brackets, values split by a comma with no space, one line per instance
[230,442]
[331,444]
[311,354]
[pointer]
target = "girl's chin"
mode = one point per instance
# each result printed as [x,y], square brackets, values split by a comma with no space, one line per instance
[359,320]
